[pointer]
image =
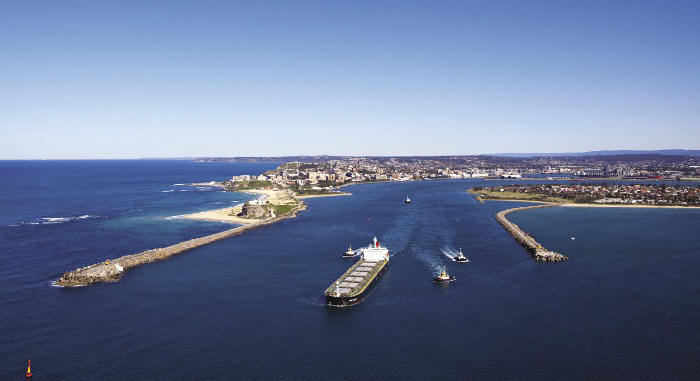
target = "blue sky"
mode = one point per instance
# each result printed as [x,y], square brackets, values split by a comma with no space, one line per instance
[128,79]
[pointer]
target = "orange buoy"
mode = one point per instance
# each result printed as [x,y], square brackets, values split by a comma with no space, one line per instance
[29,369]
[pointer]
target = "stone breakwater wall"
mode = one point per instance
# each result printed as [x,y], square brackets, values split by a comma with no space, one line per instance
[112,271]
[539,253]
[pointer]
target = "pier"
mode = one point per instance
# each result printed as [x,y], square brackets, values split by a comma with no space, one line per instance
[537,251]
[112,270]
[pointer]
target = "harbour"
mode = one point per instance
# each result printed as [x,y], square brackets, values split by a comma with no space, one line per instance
[257,298]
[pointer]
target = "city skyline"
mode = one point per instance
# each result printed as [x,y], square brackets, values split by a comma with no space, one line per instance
[137,80]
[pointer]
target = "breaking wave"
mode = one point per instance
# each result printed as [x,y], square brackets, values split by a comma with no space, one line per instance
[56,220]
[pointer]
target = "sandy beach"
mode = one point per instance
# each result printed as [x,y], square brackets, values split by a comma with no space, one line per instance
[230,214]
[629,206]
[324,195]
[572,205]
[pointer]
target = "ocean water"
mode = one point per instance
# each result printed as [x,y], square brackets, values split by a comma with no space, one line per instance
[626,304]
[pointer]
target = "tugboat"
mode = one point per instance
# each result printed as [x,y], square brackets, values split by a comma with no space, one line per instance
[408,200]
[443,277]
[349,252]
[460,257]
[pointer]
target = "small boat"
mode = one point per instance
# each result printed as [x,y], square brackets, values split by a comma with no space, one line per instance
[349,252]
[443,278]
[460,257]
[408,200]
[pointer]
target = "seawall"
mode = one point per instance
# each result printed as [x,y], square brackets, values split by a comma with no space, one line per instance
[111,271]
[536,250]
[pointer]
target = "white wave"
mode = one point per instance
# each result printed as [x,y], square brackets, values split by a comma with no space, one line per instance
[57,220]
[178,185]
[168,191]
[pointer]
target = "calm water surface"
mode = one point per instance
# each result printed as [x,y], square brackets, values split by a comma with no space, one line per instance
[626,304]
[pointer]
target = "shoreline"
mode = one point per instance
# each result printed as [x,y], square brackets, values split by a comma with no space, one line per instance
[573,205]
[588,205]
[220,215]
[230,214]
[303,196]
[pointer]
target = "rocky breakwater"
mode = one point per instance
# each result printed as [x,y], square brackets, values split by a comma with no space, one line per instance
[112,270]
[539,253]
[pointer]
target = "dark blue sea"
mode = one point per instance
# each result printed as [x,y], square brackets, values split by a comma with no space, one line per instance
[625,306]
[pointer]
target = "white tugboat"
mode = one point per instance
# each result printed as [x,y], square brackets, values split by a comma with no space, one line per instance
[408,200]
[443,277]
[460,257]
[349,252]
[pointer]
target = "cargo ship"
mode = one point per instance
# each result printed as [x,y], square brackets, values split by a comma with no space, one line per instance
[353,286]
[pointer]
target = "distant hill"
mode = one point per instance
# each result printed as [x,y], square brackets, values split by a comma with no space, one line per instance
[665,152]
[617,154]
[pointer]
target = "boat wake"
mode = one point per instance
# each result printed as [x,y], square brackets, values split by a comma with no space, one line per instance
[435,263]
[449,253]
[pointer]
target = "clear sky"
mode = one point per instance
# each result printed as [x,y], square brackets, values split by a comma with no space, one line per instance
[128,79]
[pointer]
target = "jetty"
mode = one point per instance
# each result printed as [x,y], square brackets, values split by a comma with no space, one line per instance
[112,270]
[539,253]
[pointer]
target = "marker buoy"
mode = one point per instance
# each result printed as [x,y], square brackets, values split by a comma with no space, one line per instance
[29,369]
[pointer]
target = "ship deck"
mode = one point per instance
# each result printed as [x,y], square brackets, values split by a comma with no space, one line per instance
[356,279]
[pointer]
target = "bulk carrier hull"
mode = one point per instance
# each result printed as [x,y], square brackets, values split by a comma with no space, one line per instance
[353,286]
[355,298]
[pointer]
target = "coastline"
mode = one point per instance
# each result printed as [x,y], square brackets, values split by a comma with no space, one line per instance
[323,195]
[572,205]
[230,214]
[588,205]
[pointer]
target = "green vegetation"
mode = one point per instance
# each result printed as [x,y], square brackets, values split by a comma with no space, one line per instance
[244,185]
[281,210]
[496,195]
